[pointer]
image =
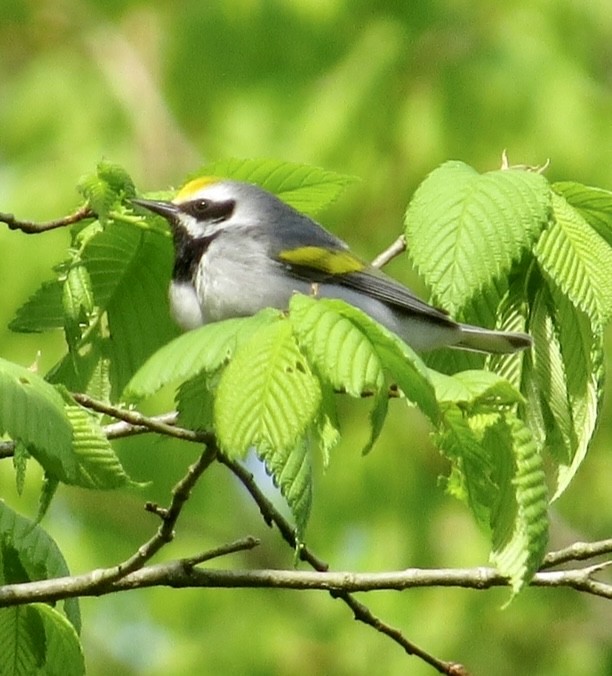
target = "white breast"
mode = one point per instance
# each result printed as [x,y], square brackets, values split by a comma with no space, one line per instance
[185,306]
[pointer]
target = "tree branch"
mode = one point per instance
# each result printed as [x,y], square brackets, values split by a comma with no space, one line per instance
[395,249]
[31,228]
[360,611]
[185,573]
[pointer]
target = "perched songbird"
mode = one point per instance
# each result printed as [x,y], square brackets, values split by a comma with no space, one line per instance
[239,249]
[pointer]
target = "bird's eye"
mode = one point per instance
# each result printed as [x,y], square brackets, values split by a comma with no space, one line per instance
[200,208]
[209,211]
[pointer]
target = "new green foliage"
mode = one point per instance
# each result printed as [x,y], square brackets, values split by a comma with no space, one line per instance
[499,249]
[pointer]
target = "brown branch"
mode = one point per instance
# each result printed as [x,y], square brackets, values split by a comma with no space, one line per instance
[138,420]
[30,228]
[168,516]
[360,611]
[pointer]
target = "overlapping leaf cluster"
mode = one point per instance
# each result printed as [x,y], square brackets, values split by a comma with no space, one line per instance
[502,249]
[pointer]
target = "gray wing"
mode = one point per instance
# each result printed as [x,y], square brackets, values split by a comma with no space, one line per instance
[300,231]
[382,287]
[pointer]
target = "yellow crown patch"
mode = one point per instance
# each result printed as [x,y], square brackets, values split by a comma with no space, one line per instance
[195,185]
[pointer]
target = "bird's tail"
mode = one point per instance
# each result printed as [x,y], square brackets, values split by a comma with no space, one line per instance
[497,342]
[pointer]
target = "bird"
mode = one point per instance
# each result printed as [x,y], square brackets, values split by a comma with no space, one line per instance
[239,249]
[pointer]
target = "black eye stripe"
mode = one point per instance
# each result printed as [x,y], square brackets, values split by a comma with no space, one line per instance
[207,210]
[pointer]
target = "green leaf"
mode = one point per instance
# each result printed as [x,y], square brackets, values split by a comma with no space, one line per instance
[518,553]
[203,349]
[32,411]
[340,351]
[22,641]
[36,639]
[78,302]
[593,204]
[404,366]
[471,480]
[267,397]
[106,188]
[35,554]
[290,468]
[578,261]
[44,310]
[98,465]
[568,374]
[64,654]
[467,229]
[130,269]
[194,402]
[378,415]
[307,189]
[478,391]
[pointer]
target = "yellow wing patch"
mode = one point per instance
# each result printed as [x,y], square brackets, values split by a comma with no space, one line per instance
[325,260]
[193,186]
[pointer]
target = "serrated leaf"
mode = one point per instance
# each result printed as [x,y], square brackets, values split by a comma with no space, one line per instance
[593,204]
[42,312]
[78,302]
[38,555]
[63,654]
[477,390]
[22,641]
[203,349]
[405,368]
[466,229]
[327,427]
[307,189]
[106,188]
[97,464]
[291,471]
[578,261]
[550,380]
[194,402]
[472,482]
[32,411]
[36,639]
[267,396]
[342,354]
[518,554]
[378,415]
[583,358]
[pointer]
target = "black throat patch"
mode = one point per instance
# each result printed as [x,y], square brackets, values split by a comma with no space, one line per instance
[188,252]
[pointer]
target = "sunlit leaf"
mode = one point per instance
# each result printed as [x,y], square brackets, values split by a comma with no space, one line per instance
[466,229]
[307,189]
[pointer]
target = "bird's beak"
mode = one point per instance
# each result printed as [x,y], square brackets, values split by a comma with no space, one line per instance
[166,209]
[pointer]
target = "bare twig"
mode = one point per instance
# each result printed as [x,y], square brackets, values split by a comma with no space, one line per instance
[30,228]
[578,551]
[395,249]
[169,517]
[360,611]
[122,429]
[185,573]
[138,420]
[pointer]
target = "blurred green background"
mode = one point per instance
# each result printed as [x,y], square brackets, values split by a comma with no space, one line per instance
[382,90]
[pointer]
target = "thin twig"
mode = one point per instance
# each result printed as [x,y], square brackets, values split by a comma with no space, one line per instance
[123,429]
[30,228]
[138,420]
[578,551]
[395,249]
[360,611]
[168,516]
